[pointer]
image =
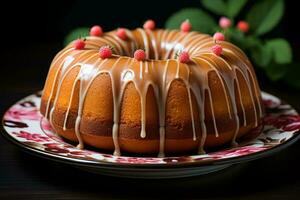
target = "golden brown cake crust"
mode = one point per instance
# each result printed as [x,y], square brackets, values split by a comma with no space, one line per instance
[228,102]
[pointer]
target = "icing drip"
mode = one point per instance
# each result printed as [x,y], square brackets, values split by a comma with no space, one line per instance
[229,69]
[145,41]
[126,77]
[162,110]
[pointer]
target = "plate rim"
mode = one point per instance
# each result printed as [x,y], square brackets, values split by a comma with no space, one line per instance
[101,164]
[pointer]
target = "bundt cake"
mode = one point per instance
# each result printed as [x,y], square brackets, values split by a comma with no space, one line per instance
[183,91]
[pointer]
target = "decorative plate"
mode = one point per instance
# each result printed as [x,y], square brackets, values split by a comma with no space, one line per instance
[26,127]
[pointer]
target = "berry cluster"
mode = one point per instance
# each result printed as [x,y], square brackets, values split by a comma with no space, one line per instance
[217,49]
[225,23]
[140,55]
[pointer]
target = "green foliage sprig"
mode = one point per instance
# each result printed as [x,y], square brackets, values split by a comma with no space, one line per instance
[273,55]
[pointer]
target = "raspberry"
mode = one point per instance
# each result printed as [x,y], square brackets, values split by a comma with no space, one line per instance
[149,24]
[121,33]
[217,49]
[105,52]
[96,31]
[219,36]
[186,26]
[79,44]
[184,57]
[243,26]
[224,22]
[140,55]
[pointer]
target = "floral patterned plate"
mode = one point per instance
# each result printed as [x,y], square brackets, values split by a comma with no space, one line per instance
[26,127]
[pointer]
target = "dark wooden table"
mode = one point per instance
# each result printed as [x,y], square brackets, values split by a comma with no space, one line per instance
[24,176]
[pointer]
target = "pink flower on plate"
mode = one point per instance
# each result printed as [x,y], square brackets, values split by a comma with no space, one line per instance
[134,160]
[20,113]
[292,127]
[240,151]
[46,126]
[269,103]
[177,159]
[80,153]
[107,156]
[56,148]
[284,122]
[31,136]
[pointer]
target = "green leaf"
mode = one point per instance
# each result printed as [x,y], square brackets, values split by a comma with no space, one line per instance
[292,75]
[265,15]
[234,7]
[261,55]
[251,42]
[216,6]
[276,71]
[236,37]
[281,50]
[76,33]
[200,20]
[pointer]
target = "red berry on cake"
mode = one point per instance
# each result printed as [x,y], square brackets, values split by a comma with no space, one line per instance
[149,24]
[121,33]
[217,49]
[184,57]
[140,55]
[79,44]
[224,22]
[105,52]
[96,31]
[219,36]
[186,26]
[243,26]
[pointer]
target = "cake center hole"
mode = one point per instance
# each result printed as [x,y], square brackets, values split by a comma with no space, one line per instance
[156,51]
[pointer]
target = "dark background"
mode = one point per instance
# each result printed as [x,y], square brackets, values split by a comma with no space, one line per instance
[32,33]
